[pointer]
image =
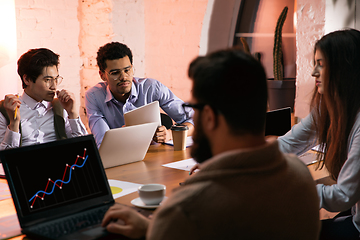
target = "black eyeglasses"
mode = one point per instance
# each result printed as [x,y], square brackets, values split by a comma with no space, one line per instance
[199,106]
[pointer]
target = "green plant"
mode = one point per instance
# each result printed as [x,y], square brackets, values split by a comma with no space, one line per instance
[278,67]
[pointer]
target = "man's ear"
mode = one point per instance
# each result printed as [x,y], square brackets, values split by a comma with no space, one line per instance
[102,75]
[209,118]
[26,80]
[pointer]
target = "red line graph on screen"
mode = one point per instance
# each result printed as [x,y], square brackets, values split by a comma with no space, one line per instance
[58,183]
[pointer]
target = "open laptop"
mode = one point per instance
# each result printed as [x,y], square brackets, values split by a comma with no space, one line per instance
[56,182]
[127,144]
[144,114]
[278,122]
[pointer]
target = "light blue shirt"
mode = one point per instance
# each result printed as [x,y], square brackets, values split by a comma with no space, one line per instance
[104,112]
[346,192]
[301,137]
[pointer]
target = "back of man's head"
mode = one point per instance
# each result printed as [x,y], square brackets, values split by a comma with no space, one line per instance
[112,51]
[33,62]
[233,83]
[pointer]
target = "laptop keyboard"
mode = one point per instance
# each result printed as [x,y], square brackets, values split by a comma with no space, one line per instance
[56,229]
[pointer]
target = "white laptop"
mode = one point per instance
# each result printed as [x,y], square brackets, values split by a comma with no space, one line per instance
[127,144]
[144,114]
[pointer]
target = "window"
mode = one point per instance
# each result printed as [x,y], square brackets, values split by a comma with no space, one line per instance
[256,23]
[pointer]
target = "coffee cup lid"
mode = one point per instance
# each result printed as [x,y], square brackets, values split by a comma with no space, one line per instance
[179,127]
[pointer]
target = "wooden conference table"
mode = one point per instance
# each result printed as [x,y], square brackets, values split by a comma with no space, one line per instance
[150,170]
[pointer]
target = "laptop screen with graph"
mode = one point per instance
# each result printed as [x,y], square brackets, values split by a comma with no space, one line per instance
[55,179]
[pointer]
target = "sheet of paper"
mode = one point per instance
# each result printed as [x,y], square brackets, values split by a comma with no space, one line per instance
[4,191]
[316,148]
[185,165]
[308,158]
[189,142]
[121,188]
[9,226]
[2,173]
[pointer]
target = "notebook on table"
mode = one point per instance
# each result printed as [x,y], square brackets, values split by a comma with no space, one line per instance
[127,144]
[144,114]
[278,122]
[59,182]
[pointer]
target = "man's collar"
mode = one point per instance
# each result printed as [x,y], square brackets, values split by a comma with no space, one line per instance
[32,103]
[134,93]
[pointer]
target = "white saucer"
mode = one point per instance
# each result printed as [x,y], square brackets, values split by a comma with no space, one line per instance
[138,203]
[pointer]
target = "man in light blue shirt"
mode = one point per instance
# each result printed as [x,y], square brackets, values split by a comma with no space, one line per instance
[121,92]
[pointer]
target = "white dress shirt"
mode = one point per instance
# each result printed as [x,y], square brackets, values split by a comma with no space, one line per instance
[37,125]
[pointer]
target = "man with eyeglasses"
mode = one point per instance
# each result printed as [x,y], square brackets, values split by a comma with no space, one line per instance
[246,188]
[35,116]
[121,92]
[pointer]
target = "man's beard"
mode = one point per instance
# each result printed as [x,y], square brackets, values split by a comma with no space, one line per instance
[201,149]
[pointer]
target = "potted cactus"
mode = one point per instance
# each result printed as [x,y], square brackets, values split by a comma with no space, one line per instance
[281,91]
[278,67]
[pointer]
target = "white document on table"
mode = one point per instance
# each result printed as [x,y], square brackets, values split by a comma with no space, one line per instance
[317,148]
[121,188]
[308,158]
[189,142]
[185,165]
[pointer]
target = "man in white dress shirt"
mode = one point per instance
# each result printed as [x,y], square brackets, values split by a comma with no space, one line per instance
[35,116]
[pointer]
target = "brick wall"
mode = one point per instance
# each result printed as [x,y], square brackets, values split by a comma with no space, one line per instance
[310,27]
[95,31]
[173,31]
[51,24]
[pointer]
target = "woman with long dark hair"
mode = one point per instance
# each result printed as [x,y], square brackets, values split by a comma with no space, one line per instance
[334,124]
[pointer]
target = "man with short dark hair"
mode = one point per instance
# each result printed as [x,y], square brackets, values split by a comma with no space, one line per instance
[121,92]
[35,116]
[246,188]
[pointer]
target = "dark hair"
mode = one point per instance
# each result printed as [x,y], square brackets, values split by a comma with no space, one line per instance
[111,51]
[233,83]
[335,111]
[33,62]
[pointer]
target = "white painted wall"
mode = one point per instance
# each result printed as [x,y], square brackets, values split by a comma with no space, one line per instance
[8,75]
[204,39]
[310,27]
[339,14]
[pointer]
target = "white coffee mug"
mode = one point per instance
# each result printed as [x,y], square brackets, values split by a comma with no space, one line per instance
[152,194]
